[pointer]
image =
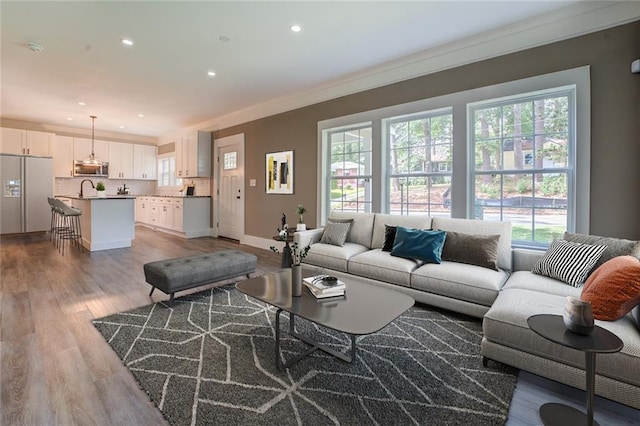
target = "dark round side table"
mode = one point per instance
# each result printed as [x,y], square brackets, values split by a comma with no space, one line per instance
[552,328]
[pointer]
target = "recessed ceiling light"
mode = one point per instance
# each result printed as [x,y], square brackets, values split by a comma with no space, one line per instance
[122,127]
[295,28]
[211,74]
[127,42]
[140,115]
[69,118]
[82,103]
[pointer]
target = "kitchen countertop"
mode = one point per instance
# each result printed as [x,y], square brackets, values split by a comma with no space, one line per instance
[174,196]
[108,197]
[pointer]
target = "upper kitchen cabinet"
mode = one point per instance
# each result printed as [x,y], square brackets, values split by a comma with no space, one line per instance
[82,149]
[120,160]
[26,142]
[63,156]
[193,155]
[145,161]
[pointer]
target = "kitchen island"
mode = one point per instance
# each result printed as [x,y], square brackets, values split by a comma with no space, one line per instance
[107,223]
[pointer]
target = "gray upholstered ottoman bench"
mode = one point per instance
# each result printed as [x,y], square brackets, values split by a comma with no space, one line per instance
[183,273]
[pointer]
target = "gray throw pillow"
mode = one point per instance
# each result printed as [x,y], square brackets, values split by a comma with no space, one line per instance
[335,233]
[615,246]
[479,250]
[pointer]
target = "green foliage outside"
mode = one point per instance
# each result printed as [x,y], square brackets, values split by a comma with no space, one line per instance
[544,234]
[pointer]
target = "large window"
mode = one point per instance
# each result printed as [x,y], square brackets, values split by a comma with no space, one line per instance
[167,172]
[419,151]
[517,151]
[523,167]
[350,169]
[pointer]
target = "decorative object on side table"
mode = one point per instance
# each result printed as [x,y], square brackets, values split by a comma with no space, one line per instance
[578,316]
[301,210]
[297,255]
[101,190]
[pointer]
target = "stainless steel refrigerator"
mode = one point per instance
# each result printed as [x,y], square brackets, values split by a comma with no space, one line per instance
[26,184]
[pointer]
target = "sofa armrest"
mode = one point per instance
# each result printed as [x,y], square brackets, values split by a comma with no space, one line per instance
[524,259]
[306,238]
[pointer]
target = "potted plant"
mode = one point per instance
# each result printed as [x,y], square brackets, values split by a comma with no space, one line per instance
[296,255]
[102,193]
[300,210]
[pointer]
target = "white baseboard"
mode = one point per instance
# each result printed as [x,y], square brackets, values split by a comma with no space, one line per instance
[259,242]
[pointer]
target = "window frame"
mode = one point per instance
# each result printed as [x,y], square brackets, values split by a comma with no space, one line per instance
[459,102]
[175,183]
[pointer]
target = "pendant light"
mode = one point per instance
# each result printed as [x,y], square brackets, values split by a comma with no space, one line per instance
[92,160]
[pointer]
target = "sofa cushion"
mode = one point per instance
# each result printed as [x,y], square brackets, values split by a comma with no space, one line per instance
[506,324]
[418,244]
[568,262]
[380,265]
[460,281]
[615,246]
[527,280]
[479,250]
[333,257]
[412,221]
[335,233]
[614,288]
[481,227]
[361,229]
[389,237]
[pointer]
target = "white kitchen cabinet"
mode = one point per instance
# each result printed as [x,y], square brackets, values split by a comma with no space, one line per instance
[145,162]
[120,160]
[193,155]
[82,149]
[183,216]
[26,142]
[63,156]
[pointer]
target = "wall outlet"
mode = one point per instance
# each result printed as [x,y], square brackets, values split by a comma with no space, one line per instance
[252,182]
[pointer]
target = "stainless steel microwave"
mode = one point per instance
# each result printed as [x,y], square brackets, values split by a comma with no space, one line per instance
[81,169]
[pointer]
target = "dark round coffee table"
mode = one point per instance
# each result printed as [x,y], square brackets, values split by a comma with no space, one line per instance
[552,328]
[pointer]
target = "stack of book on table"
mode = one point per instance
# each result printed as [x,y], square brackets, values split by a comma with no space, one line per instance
[322,286]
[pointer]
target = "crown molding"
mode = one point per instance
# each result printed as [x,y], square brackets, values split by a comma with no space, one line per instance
[572,21]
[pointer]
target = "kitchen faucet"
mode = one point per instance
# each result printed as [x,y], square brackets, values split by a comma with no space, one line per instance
[83,181]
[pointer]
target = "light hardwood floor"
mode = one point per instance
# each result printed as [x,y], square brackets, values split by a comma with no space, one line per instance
[55,368]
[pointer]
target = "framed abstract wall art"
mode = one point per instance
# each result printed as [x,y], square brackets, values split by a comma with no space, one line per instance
[279,172]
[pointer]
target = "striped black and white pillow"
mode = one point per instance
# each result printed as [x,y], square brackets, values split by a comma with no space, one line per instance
[568,262]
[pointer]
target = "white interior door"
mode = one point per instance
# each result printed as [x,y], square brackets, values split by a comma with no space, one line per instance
[230,182]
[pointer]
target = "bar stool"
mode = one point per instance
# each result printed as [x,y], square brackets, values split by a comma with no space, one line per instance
[67,225]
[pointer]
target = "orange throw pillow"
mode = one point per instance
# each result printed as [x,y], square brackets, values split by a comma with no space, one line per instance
[614,288]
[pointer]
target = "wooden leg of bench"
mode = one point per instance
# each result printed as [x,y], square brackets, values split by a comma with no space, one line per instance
[152,289]
[171,299]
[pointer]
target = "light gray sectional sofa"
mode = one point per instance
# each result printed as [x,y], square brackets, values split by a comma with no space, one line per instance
[504,298]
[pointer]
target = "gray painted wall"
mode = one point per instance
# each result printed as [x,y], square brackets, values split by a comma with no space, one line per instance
[615,127]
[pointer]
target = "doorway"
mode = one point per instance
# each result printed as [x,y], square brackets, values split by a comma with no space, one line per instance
[229,187]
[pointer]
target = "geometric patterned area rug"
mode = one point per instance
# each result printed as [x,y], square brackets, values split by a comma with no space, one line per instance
[210,359]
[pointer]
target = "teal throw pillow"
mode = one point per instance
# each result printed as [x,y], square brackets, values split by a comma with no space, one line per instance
[419,244]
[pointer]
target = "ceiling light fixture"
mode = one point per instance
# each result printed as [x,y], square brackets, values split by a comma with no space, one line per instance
[211,74]
[92,160]
[295,28]
[69,118]
[122,127]
[140,115]
[127,42]
[35,47]
[82,103]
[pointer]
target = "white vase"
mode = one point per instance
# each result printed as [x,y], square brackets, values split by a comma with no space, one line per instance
[102,194]
[301,227]
[296,280]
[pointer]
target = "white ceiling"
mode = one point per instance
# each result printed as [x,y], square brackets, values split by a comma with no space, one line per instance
[164,74]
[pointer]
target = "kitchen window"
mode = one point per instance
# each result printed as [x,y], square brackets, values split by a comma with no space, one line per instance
[167,172]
